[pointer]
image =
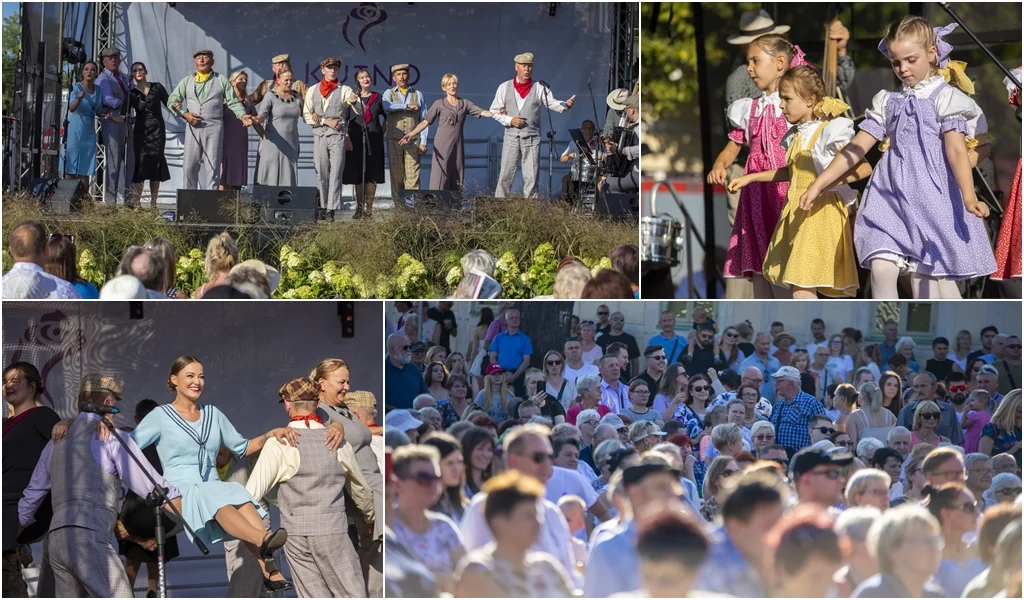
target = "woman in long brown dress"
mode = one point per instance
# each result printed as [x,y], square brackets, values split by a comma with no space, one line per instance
[234,169]
[449,162]
[372,122]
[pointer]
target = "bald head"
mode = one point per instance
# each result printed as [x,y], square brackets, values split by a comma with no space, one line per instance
[27,242]
[604,432]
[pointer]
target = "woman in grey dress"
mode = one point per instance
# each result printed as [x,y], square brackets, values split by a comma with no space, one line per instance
[234,168]
[449,162]
[279,113]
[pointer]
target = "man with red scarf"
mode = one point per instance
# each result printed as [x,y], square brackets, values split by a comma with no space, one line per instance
[311,482]
[517,105]
[328,109]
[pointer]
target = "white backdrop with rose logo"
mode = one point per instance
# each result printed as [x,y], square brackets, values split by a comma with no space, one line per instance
[476,41]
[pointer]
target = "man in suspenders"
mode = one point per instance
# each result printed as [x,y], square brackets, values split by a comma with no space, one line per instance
[517,105]
[117,148]
[403,109]
[203,95]
[327,108]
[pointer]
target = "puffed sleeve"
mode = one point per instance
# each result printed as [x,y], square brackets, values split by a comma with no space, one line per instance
[836,136]
[147,432]
[229,436]
[874,121]
[787,139]
[957,112]
[739,118]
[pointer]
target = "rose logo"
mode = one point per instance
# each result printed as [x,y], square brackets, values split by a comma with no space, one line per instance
[368,13]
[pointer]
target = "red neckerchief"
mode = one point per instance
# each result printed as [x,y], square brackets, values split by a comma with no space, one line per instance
[307,419]
[14,420]
[522,88]
[367,116]
[326,87]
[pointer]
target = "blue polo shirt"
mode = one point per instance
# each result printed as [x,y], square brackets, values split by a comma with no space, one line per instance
[402,384]
[511,349]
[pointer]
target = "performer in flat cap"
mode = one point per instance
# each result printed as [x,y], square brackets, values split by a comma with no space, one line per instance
[118,150]
[517,105]
[276,64]
[205,93]
[311,482]
[84,477]
[328,108]
[403,107]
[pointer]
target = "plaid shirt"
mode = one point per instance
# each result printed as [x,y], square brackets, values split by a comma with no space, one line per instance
[792,419]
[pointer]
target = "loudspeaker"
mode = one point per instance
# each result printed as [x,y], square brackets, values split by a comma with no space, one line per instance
[209,206]
[286,205]
[68,196]
[448,200]
[618,205]
[347,312]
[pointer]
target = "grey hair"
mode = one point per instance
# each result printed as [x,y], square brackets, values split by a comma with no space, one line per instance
[605,450]
[565,431]
[887,534]
[245,274]
[541,420]
[871,397]
[904,342]
[860,480]
[998,482]
[395,438]
[605,427]
[423,401]
[894,431]
[759,425]
[587,382]
[429,411]
[570,281]
[868,444]
[587,414]
[252,290]
[480,260]
[458,428]
[855,522]
[974,457]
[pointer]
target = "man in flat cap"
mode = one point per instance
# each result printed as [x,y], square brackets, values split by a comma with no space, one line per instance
[404,109]
[517,106]
[311,482]
[276,64]
[327,108]
[204,94]
[118,149]
[84,476]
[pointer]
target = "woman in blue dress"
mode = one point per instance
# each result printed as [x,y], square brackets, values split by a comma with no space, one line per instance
[188,435]
[86,104]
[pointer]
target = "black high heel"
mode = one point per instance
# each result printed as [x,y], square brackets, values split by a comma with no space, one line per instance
[273,587]
[273,542]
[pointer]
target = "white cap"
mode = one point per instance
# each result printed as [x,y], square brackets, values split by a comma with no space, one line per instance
[790,373]
[123,287]
[401,420]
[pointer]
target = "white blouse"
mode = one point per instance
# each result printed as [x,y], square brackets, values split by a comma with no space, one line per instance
[739,111]
[950,102]
[836,135]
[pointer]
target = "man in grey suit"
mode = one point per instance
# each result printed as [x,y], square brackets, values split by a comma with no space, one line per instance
[116,132]
[85,477]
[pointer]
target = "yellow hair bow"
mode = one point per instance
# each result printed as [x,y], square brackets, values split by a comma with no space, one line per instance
[830,107]
[956,75]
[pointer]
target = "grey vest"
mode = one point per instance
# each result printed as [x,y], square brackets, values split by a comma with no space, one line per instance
[210,109]
[360,437]
[530,110]
[336,109]
[312,502]
[83,495]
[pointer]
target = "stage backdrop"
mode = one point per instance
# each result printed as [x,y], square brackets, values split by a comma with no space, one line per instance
[476,41]
[248,349]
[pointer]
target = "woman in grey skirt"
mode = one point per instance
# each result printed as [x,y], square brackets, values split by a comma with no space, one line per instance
[234,169]
[279,113]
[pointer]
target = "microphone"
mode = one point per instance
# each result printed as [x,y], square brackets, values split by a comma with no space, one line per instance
[97,409]
[545,84]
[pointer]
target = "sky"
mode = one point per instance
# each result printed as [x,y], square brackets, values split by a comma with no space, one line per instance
[10,8]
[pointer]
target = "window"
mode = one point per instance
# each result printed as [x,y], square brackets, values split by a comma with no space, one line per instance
[916,319]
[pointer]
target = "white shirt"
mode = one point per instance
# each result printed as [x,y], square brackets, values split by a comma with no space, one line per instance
[593,355]
[28,281]
[554,532]
[615,398]
[564,482]
[739,111]
[545,97]
[574,375]
[950,102]
[308,114]
[572,148]
[813,346]
[567,396]
[834,137]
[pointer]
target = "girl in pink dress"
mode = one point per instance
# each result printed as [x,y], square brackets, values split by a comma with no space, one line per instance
[759,124]
[1008,249]
[975,418]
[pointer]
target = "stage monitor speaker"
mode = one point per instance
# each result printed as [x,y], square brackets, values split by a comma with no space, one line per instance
[618,205]
[284,205]
[209,206]
[447,200]
[68,196]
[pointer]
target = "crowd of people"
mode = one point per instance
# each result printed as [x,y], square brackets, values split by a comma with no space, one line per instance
[799,228]
[350,125]
[723,461]
[322,467]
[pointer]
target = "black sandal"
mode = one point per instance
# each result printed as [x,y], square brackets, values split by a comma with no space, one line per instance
[276,586]
[272,542]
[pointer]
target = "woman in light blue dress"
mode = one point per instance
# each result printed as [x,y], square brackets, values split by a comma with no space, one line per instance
[188,436]
[85,104]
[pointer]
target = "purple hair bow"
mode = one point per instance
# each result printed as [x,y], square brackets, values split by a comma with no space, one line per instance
[943,47]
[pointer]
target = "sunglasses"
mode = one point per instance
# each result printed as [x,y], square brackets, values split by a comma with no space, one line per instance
[406,348]
[617,319]
[1010,491]
[554,363]
[970,508]
[1014,346]
[958,388]
[930,416]
[424,479]
[662,357]
[732,336]
[701,388]
[826,430]
[540,457]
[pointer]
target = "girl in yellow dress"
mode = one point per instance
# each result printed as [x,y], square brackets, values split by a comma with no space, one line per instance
[812,248]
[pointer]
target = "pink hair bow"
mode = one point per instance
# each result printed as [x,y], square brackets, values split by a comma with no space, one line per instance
[799,60]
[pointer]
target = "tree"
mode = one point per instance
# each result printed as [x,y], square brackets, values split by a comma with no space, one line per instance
[11,42]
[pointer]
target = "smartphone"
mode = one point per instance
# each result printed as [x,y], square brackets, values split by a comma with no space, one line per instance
[541,387]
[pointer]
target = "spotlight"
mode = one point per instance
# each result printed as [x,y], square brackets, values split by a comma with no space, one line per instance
[553,9]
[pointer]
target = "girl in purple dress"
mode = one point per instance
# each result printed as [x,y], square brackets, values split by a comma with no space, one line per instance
[759,124]
[919,214]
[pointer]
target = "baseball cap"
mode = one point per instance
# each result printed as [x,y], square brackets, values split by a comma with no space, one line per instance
[790,373]
[614,420]
[644,429]
[401,420]
[417,347]
[494,368]
[808,458]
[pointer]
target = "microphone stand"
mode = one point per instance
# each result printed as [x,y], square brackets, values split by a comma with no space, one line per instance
[551,138]
[980,44]
[67,119]
[157,499]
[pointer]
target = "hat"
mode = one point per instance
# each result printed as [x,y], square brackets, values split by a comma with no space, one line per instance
[401,420]
[784,334]
[272,274]
[635,474]
[790,373]
[417,347]
[633,102]
[614,420]
[110,51]
[808,458]
[526,58]
[301,389]
[100,383]
[647,432]
[494,368]
[330,61]
[617,99]
[123,287]
[754,24]
[201,52]
[280,58]
[360,399]
[225,292]
[400,67]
